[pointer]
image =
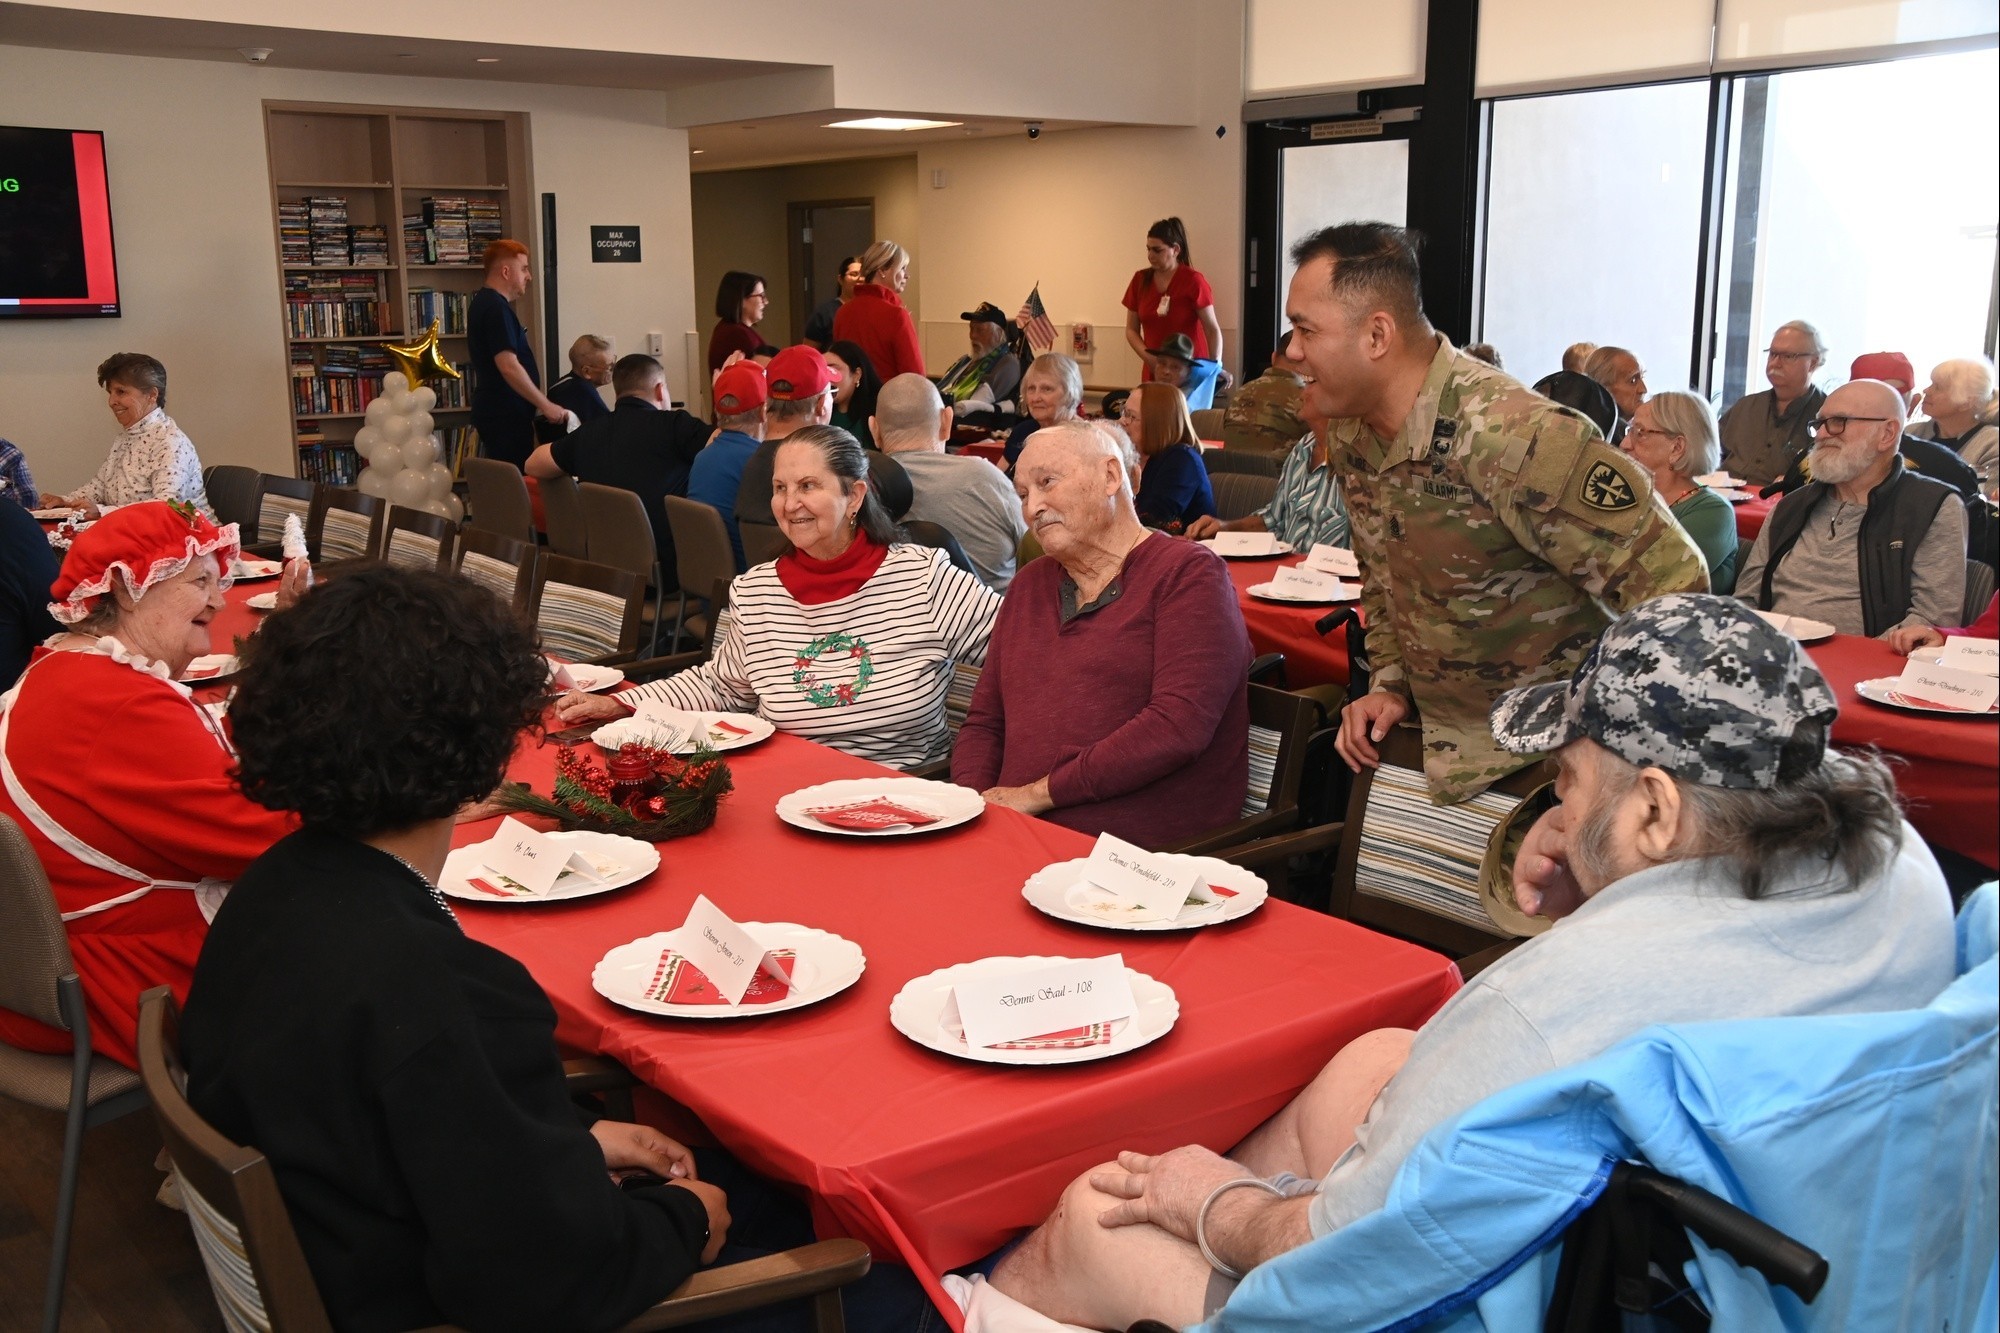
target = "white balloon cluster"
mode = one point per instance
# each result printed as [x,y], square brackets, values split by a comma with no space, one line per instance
[405,456]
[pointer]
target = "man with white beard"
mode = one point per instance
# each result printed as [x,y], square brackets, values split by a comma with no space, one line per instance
[1867,546]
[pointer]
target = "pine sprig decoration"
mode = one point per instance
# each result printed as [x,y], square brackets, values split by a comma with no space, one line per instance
[581,796]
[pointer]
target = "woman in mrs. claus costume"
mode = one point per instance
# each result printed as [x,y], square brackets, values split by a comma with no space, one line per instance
[117,776]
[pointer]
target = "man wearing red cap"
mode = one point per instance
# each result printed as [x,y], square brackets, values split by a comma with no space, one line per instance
[740,396]
[1924,457]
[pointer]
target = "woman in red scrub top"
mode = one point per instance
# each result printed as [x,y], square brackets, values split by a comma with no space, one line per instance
[1168,297]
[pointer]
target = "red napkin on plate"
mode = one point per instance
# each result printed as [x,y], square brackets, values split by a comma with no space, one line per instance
[875,813]
[677,981]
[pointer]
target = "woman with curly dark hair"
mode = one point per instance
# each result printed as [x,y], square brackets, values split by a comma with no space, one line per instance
[402,1078]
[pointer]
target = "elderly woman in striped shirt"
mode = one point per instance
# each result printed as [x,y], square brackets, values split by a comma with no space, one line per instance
[850,637]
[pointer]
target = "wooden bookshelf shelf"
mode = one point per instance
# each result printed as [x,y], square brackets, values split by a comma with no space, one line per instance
[382,160]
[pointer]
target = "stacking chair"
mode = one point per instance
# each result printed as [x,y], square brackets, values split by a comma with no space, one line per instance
[957,703]
[38,980]
[277,498]
[1280,725]
[1247,462]
[232,494]
[344,525]
[417,539]
[562,511]
[621,536]
[504,566]
[497,497]
[762,542]
[925,533]
[702,558]
[587,612]
[258,1271]
[1979,581]
[1240,494]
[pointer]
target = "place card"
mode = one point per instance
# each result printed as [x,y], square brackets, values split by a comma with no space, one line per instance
[531,861]
[728,955]
[672,725]
[559,675]
[1964,654]
[1161,888]
[1301,581]
[1333,560]
[1245,543]
[1974,691]
[1074,993]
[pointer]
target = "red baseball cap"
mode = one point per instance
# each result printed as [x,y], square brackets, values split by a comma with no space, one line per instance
[798,373]
[1889,367]
[740,389]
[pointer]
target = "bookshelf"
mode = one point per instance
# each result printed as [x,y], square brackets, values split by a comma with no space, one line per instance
[380,214]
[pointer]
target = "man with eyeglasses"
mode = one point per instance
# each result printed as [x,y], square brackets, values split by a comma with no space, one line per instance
[1763,433]
[1623,378]
[1867,546]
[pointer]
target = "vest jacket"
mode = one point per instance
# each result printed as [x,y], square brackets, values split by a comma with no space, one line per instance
[1900,511]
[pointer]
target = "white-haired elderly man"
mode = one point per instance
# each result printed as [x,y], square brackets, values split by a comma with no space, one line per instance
[1115,693]
[1867,546]
[1764,433]
[590,361]
[967,497]
[1711,858]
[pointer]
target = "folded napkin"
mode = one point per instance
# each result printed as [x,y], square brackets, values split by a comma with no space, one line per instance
[677,981]
[874,813]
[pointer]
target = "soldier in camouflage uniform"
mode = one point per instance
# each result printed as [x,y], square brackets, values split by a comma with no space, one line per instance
[1263,415]
[1498,534]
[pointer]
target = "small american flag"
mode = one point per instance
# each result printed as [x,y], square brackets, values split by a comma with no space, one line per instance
[1034,322]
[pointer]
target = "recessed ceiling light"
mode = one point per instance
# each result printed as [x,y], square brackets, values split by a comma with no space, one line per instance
[891,123]
[486,60]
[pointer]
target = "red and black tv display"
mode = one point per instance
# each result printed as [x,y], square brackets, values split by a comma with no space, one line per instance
[56,257]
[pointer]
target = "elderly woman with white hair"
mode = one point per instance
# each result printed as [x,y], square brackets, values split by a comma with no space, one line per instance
[1961,414]
[1051,391]
[1672,434]
[1114,697]
[875,318]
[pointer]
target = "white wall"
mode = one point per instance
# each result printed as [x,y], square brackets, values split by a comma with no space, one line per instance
[197,261]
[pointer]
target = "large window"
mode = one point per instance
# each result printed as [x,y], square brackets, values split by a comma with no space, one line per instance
[1593,226]
[1328,183]
[1862,199]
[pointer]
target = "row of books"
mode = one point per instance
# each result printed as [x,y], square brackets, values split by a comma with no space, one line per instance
[329,465]
[306,317]
[447,308]
[451,229]
[315,231]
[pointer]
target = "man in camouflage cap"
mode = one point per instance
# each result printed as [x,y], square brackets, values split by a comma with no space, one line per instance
[1263,415]
[1497,533]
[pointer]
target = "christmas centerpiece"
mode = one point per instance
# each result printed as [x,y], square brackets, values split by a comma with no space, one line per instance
[638,791]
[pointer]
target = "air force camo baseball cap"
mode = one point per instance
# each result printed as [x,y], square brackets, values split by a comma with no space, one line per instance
[1697,685]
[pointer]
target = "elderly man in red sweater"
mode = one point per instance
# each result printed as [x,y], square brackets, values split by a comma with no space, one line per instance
[1114,697]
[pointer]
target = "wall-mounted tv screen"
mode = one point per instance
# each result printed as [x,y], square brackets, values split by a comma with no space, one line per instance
[56,258]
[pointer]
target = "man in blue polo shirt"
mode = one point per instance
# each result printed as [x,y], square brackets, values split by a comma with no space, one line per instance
[718,470]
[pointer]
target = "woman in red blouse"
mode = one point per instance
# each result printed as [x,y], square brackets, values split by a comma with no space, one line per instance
[1168,297]
[739,304]
[875,318]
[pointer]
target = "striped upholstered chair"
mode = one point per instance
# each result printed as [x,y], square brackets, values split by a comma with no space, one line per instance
[277,497]
[504,566]
[258,1271]
[414,539]
[587,612]
[344,525]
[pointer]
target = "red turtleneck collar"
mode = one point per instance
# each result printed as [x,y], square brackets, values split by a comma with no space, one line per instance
[813,582]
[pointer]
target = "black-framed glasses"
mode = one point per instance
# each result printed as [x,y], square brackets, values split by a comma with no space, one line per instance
[1836,426]
[1772,353]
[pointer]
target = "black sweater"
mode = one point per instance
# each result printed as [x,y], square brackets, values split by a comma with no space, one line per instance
[403,1079]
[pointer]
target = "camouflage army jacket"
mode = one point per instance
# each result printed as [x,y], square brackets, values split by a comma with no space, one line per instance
[1498,535]
[1263,415]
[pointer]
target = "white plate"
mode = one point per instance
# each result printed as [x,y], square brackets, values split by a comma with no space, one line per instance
[952,805]
[263,601]
[627,730]
[1278,549]
[1800,628]
[1062,892]
[824,964]
[208,667]
[55,515]
[1721,481]
[919,1012]
[1737,497]
[250,568]
[588,677]
[621,860]
[1269,592]
[1882,690]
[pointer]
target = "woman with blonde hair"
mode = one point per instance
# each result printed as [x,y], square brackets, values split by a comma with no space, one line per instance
[1173,481]
[875,318]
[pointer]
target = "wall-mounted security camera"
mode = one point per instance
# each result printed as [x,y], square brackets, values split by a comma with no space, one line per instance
[1034,128]
[256,55]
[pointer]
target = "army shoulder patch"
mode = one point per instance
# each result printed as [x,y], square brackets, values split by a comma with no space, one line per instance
[1605,487]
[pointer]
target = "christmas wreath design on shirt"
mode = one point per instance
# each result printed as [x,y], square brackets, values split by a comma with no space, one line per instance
[841,647]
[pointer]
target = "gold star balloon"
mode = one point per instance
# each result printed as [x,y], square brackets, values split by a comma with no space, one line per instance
[421,361]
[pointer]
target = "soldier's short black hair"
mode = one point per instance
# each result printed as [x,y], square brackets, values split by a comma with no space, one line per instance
[635,373]
[1374,265]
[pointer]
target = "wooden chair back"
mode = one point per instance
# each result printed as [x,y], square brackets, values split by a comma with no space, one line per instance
[497,498]
[585,611]
[504,566]
[417,539]
[345,524]
[562,510]
[278,497]
[1281,723]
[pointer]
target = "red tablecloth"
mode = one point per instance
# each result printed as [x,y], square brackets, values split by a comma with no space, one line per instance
[993,451]
[1277,627]
[929,1159]
[1951,782]
[1750,516]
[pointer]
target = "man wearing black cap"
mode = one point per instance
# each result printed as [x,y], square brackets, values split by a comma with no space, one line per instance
[989,374]
[1175,363]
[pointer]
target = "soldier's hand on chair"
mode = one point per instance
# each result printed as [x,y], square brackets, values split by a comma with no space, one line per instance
[1365,723]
